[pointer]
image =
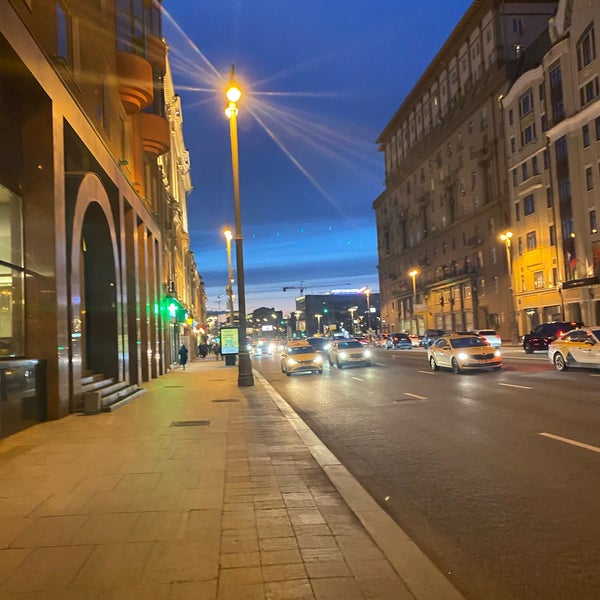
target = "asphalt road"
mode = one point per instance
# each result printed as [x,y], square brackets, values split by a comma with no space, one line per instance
[496,476]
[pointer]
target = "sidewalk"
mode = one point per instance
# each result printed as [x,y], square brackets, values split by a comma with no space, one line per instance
[199,489]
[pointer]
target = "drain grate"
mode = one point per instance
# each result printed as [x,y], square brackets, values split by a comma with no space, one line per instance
[189,423]
[226,400]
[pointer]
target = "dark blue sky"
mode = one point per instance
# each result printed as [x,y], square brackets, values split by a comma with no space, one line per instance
[321,79]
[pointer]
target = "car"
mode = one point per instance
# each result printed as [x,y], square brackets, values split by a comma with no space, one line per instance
[460,352]
[400,341]
[576,348]
[300,357]
[348,352]
[320,344]
[490,336]
[543,335]
[416,340]
[430,336]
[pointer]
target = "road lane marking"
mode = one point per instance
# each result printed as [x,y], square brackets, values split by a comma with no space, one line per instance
[427,372]
[572,442]
[357,378]
[522,387]
[594,375]
[415,396]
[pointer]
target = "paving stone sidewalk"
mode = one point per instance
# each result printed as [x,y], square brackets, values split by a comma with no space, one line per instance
[198,489]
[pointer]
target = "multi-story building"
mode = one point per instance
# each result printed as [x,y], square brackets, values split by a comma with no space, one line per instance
[552,130]
[82,198]
[445,203]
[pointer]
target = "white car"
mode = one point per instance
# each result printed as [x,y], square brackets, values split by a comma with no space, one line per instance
[576,348]
[348,352]
[490,336]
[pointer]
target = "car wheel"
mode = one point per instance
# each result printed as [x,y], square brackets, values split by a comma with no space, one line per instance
[338,364]
[368,364]
[528,348]
[320,372]
[560,363]
[455,367]
[330,362]
[288,373]
[433,364]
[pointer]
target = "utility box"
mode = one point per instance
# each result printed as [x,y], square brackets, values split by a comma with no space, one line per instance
[92,403]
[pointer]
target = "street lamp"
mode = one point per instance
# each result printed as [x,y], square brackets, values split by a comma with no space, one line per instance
[233,93]
[352,310]
[514,334]
[413,273]
[318,316]
[368,294]
[229,287]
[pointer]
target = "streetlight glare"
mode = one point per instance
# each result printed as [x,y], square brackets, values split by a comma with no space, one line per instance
[413,272]
[505,237]
[228,235]
[233,93]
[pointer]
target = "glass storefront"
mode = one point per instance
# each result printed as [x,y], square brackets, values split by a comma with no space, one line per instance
[12,273]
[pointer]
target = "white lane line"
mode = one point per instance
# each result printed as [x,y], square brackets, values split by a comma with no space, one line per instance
[427,372]
[358,378]
[521,387]
[594,375]
[572,442]
[381,364]
[415,396]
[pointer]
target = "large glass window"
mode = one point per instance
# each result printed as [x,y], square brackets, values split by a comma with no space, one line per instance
[64,34]
[586,47]
[12,328]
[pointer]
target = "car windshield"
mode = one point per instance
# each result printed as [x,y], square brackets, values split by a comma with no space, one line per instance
[487,332]
[301,350]
[468,342]
[596,332]
[352,344]
[318,343]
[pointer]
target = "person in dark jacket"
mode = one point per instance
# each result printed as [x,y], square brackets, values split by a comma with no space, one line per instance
[183,356]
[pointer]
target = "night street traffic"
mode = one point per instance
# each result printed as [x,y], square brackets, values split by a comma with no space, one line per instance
[493,475]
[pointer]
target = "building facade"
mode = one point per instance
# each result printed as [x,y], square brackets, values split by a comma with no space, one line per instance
[552,129]
[441,262]
[83,198]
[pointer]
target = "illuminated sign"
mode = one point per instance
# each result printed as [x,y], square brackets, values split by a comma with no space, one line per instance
[230,340]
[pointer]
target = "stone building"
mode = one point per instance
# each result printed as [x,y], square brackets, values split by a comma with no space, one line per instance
[84,204]
[552,132]
[441,262]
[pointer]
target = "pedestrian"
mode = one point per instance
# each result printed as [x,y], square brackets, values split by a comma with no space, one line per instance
[203,349]
[183,356]
[217,350]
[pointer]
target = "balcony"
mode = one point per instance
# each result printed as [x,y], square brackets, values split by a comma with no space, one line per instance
[155,133]
[135,81]
[156,51]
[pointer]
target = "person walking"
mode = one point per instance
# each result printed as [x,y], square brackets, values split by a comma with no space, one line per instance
[217,350]
[183,356]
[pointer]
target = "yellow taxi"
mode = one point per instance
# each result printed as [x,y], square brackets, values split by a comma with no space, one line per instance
[299,356]
[576,348]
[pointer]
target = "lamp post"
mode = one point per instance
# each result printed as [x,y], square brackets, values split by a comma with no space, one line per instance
[413,273]
[229,288]
[368,294]
[318,316]
[233,93]
[505,237]
[352,310]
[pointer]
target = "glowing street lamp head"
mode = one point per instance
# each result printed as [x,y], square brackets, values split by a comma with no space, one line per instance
[413,272]
[233,92]
[505,237]
[228,235]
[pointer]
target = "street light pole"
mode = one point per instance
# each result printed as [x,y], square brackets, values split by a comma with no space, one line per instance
[413,273]
[229,289]
[368,294]
[514,334]
[318,316]
[352,310]
[233,93]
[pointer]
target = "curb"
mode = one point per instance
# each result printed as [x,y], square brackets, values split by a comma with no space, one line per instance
[421,576]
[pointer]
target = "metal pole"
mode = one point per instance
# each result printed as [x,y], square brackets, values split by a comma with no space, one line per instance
[229,289]
[514,325]
[245,377]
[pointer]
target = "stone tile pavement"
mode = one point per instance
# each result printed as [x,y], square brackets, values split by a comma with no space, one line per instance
[198,489]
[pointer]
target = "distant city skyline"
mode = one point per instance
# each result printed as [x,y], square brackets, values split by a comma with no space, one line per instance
[320,83]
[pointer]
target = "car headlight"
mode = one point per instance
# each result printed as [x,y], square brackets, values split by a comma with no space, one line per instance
[343,354]
[367,353]
[291,361]
[318,358]
[462,356]
[497,353]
